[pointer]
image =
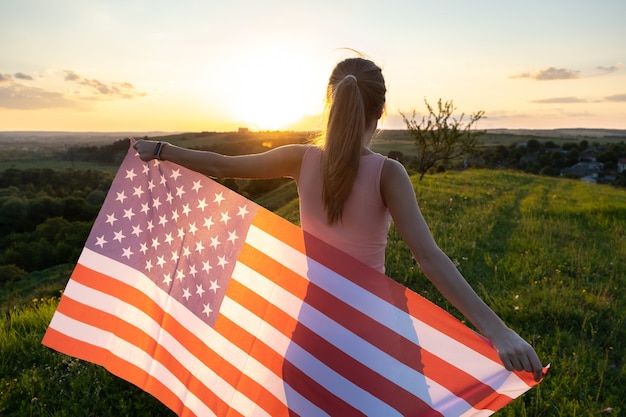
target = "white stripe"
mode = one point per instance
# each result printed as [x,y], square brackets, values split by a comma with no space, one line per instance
[212,339]
[430,339]
[128,352]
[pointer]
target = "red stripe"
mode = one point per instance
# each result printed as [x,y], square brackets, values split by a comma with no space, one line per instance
[210,358]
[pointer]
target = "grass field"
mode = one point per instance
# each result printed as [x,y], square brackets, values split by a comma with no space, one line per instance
[547,254]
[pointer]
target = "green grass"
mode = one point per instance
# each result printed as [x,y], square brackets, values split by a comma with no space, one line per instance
[547,254]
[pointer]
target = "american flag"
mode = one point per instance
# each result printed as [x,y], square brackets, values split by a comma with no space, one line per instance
[218,307]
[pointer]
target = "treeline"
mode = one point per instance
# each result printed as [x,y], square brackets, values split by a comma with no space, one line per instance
[45,217]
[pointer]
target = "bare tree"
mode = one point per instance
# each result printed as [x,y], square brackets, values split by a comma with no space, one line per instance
[441,137]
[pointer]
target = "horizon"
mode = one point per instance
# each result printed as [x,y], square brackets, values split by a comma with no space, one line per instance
[82,67]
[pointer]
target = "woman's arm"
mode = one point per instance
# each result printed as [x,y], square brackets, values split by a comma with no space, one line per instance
[397,191]
[279,162]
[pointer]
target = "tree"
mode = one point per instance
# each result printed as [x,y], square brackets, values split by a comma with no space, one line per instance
[441,137]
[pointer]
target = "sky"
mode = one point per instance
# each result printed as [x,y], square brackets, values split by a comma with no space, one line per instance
[203,65]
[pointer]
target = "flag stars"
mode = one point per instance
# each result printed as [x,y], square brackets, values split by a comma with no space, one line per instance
[196,186]
[119,236]
[175,174]
[149,265]
[168,238]
[161,261]
[181,233]
[180,191]
[192,270]
[163,180]
[175,215]
[225,217]
[121,196]
[167,279]
[143,248]
[214,286]
[192,228]
[137,230]
[221,261]
[206,266]
[151,185]
[207,310]
[156,203]
[208,222]
[214,242]
[186,252]
[145,208]
[175,256]
[186,210]
[243,211]
[202,204]
[111,219]
[186,294]
[138,192]
[127,253]
[150,226]
[199,247]
[146,169]
[232,236]
[169,197]
[130,174]
[128,214]
[155,243]
[100,241]
[162,220]
[219,197]
[180,275]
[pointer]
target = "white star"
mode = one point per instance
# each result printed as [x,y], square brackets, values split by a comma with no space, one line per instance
[214,287]
[119,236]
[137,230]
[101,242]
[111,219]
[186,210]
[127,253]
[163,180]
[202,204]
[130,175]
[208,222]
[214,242]
[180,275]
[155,242]
[145,208]
[243,211]
[206,267]
[150,225]
[186,294]
[199,247]
[225,217]
[149,265]
[146,169]
[161,260]
[167,279]
[207,310]
[186,252]
[150,185]
[162,220]
[221,261]
[232,236]
[219,198]
[196,186]
[169,197]
[181,233]
[192,228]
[128,213]
[156,203]
[175,256]
[175,215]
[168,238]
[192,270]
[175,174]
[120,197]
[180,191]
[138,191]
[144,248]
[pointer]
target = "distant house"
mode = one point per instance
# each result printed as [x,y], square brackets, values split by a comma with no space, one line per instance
[621,165]
[582,169]
[243,130]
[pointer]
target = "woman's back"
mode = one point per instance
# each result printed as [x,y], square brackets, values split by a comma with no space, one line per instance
[362,230]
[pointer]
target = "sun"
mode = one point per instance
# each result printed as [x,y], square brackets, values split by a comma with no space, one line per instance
[272,88]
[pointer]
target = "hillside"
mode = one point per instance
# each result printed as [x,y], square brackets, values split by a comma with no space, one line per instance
[547,254]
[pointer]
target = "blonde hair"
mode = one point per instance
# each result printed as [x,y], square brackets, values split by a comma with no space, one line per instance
[355,99]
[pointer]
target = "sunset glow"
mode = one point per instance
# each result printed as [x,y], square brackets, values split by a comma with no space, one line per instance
[191,66]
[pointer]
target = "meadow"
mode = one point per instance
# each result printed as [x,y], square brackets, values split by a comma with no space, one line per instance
[547,254]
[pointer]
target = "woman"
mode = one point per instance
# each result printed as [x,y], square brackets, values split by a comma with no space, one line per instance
[349,194]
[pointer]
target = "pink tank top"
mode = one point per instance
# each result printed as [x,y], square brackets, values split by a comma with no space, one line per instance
[363,229]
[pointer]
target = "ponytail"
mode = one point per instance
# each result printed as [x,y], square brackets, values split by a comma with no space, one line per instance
[356,98]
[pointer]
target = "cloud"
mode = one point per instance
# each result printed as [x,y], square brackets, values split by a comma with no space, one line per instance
[114,90]
[17,96]
[22,76]
[609,70]
[560,100]
[549,74]
[5,78]
[616,97]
